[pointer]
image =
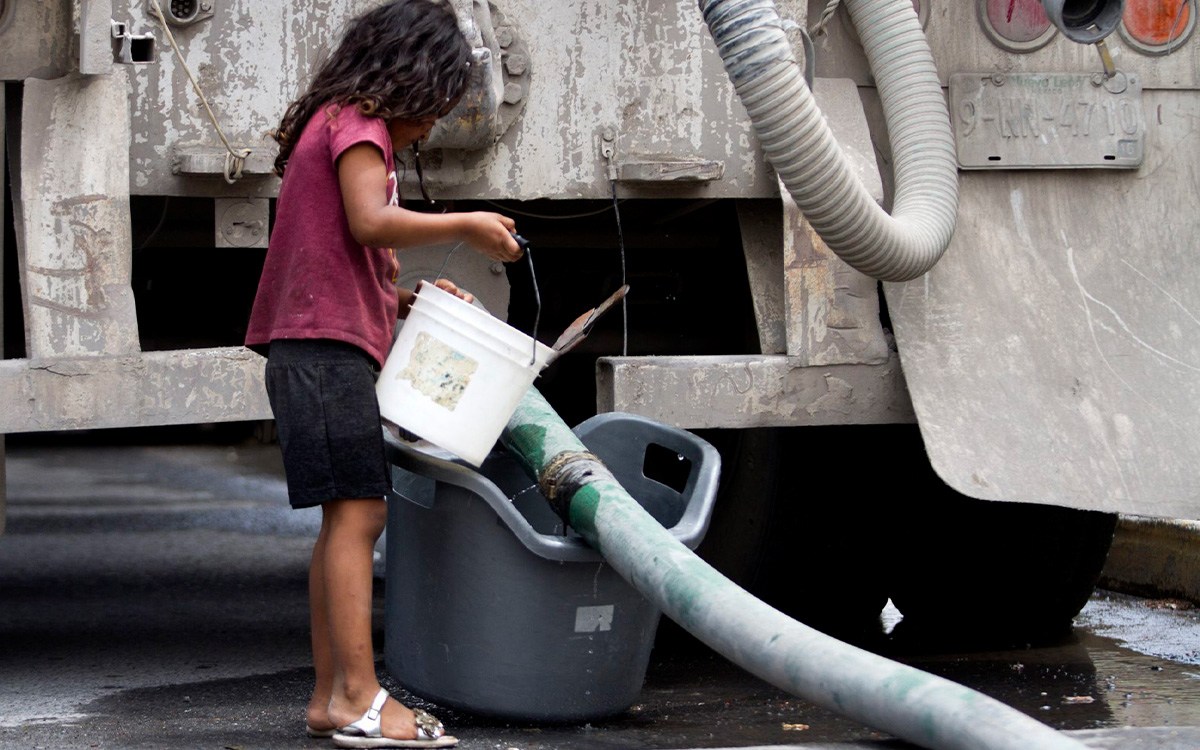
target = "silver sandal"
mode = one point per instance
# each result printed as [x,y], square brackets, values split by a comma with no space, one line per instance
[368,731]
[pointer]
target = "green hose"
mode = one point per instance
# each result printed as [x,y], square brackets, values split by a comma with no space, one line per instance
[898,699]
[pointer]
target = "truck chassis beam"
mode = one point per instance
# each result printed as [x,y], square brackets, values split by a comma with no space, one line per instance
[152,388]
[752,391]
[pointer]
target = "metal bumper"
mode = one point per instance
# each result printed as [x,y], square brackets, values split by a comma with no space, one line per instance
[752,391]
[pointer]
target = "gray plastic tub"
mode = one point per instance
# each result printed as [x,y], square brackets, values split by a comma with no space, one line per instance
[490,608]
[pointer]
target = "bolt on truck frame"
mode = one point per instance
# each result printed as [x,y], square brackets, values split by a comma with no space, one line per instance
[1051,359]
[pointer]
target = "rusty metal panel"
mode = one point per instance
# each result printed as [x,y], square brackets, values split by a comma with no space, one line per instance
[832,310]
[761,225]
[35,39]
[742,392]
[249,58]
[155,388]
[807,302]
[647,71]
[74,232]
[1054,354]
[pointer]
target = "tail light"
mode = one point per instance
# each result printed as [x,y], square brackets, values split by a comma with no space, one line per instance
[1016,25]
[1157,27]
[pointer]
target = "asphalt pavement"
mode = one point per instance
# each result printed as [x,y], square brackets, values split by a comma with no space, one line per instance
[155,597]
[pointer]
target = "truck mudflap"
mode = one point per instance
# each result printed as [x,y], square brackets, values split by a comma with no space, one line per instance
[1053,356]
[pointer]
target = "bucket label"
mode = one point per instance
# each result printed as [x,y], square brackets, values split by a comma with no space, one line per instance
[438,371]
[592,619]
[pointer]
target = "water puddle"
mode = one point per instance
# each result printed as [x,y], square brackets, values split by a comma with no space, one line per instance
[1128,662]
[1167,629]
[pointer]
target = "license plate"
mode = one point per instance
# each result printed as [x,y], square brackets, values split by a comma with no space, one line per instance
[1047,120]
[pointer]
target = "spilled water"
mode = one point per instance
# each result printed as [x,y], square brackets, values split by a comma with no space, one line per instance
[1147,658]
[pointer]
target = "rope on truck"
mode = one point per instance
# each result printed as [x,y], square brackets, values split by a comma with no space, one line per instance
[826,16]
[234,160]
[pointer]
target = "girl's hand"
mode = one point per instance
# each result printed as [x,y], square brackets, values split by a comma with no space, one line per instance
[446,285]
[406,296]
[491,235]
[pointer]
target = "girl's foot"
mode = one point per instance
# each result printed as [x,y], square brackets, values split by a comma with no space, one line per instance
[384,719]
[316,719]
[318,733]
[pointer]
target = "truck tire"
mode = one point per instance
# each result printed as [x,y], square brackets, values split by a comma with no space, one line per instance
[825,557]
[804,549]
[1004,573]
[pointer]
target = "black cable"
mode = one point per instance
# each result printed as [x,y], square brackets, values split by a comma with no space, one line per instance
[537,295]
[624,280]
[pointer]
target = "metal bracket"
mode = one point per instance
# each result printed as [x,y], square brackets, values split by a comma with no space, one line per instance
[499,85]
[209,161]
[669,170]
[242,222]
[1110,68]
[608,149]
[132,49]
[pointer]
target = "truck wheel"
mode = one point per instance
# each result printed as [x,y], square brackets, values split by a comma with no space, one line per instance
[825,557]
[994,571]
[799,525]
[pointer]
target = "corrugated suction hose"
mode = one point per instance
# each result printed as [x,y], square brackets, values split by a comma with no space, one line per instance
[805,154]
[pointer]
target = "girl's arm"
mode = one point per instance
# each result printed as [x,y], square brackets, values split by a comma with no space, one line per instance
[362,176]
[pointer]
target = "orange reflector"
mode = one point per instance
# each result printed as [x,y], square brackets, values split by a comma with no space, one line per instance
[1157,23]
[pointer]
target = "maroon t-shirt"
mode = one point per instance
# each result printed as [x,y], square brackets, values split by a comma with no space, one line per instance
[317,281]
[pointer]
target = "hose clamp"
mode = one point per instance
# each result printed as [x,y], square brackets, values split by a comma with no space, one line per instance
[810,57]
[566,474]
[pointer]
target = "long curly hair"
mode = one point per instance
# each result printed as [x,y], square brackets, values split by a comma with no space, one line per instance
[406,59]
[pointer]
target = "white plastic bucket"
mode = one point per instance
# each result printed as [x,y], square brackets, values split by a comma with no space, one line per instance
[456,374]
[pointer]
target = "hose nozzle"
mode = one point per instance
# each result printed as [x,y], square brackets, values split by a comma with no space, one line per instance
[1085,21]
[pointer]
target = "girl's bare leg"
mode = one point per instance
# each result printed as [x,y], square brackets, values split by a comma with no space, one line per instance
[351,528]
[317,714]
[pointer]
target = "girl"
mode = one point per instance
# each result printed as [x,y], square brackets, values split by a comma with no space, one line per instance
[324,315]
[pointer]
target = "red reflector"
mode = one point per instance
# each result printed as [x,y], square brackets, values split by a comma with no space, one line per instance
[1157,23]
[1017,20]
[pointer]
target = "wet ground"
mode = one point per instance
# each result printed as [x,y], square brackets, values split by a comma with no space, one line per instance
[156,597]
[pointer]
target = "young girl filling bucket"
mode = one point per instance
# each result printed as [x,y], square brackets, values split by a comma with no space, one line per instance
[326,307]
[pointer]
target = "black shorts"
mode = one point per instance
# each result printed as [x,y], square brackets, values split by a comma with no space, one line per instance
[323,395]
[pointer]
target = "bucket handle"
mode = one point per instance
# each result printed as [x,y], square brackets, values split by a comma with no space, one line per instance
[537,295]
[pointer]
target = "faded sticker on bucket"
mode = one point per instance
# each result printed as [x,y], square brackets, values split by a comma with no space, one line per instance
[438,371]
[592,619]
